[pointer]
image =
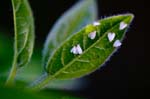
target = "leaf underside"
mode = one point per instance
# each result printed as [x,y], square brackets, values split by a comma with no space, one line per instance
[24,31]
[65,65]
[81,14]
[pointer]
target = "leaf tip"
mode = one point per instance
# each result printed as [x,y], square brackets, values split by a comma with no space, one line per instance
[130,16]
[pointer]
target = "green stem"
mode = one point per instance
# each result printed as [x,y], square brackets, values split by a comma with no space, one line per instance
[41,82]
[11,78]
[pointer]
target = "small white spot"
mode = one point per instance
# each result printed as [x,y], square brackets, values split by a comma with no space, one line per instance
[111,36]
[79,50]
[96,23]
[117,43]
[122,26]
[92,35]
[76,50]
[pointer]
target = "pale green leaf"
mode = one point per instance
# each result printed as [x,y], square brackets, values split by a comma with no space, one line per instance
[65,65]
[81,14]
[24,31]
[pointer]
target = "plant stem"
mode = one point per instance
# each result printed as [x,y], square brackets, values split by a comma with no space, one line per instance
[11,78]
[41,82]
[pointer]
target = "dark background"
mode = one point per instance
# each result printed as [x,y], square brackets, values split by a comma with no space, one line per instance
[127,73]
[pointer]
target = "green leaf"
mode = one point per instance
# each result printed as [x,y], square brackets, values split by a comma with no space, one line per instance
[16,93]
[6,52]
[65,65]
[59,94]
[24,37]
[24,31]
[8,93]
[81,14]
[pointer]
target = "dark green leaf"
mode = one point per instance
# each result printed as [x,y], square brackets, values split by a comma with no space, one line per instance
[59,94]
[24,31]
[81,14]
[65,65]
[8,93]
[6,52]
[13,93]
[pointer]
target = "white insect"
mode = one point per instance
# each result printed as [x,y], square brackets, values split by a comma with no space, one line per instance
[96,23]
[73,50]
[122,26]
[111,36]
[92,35]
[76,50]
[117,43]
[79,49]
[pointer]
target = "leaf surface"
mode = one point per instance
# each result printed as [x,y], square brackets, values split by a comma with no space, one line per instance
[24,31]
[81,14]
[15,93]
[65,65]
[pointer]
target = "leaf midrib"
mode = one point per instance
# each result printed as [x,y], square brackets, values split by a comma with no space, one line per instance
[16,32]
[59,71]
[86,5]
[15,29]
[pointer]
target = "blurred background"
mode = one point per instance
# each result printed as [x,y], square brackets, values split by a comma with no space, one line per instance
[125,75]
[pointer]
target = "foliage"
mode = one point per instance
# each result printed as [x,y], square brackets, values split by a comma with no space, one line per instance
[76,46]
